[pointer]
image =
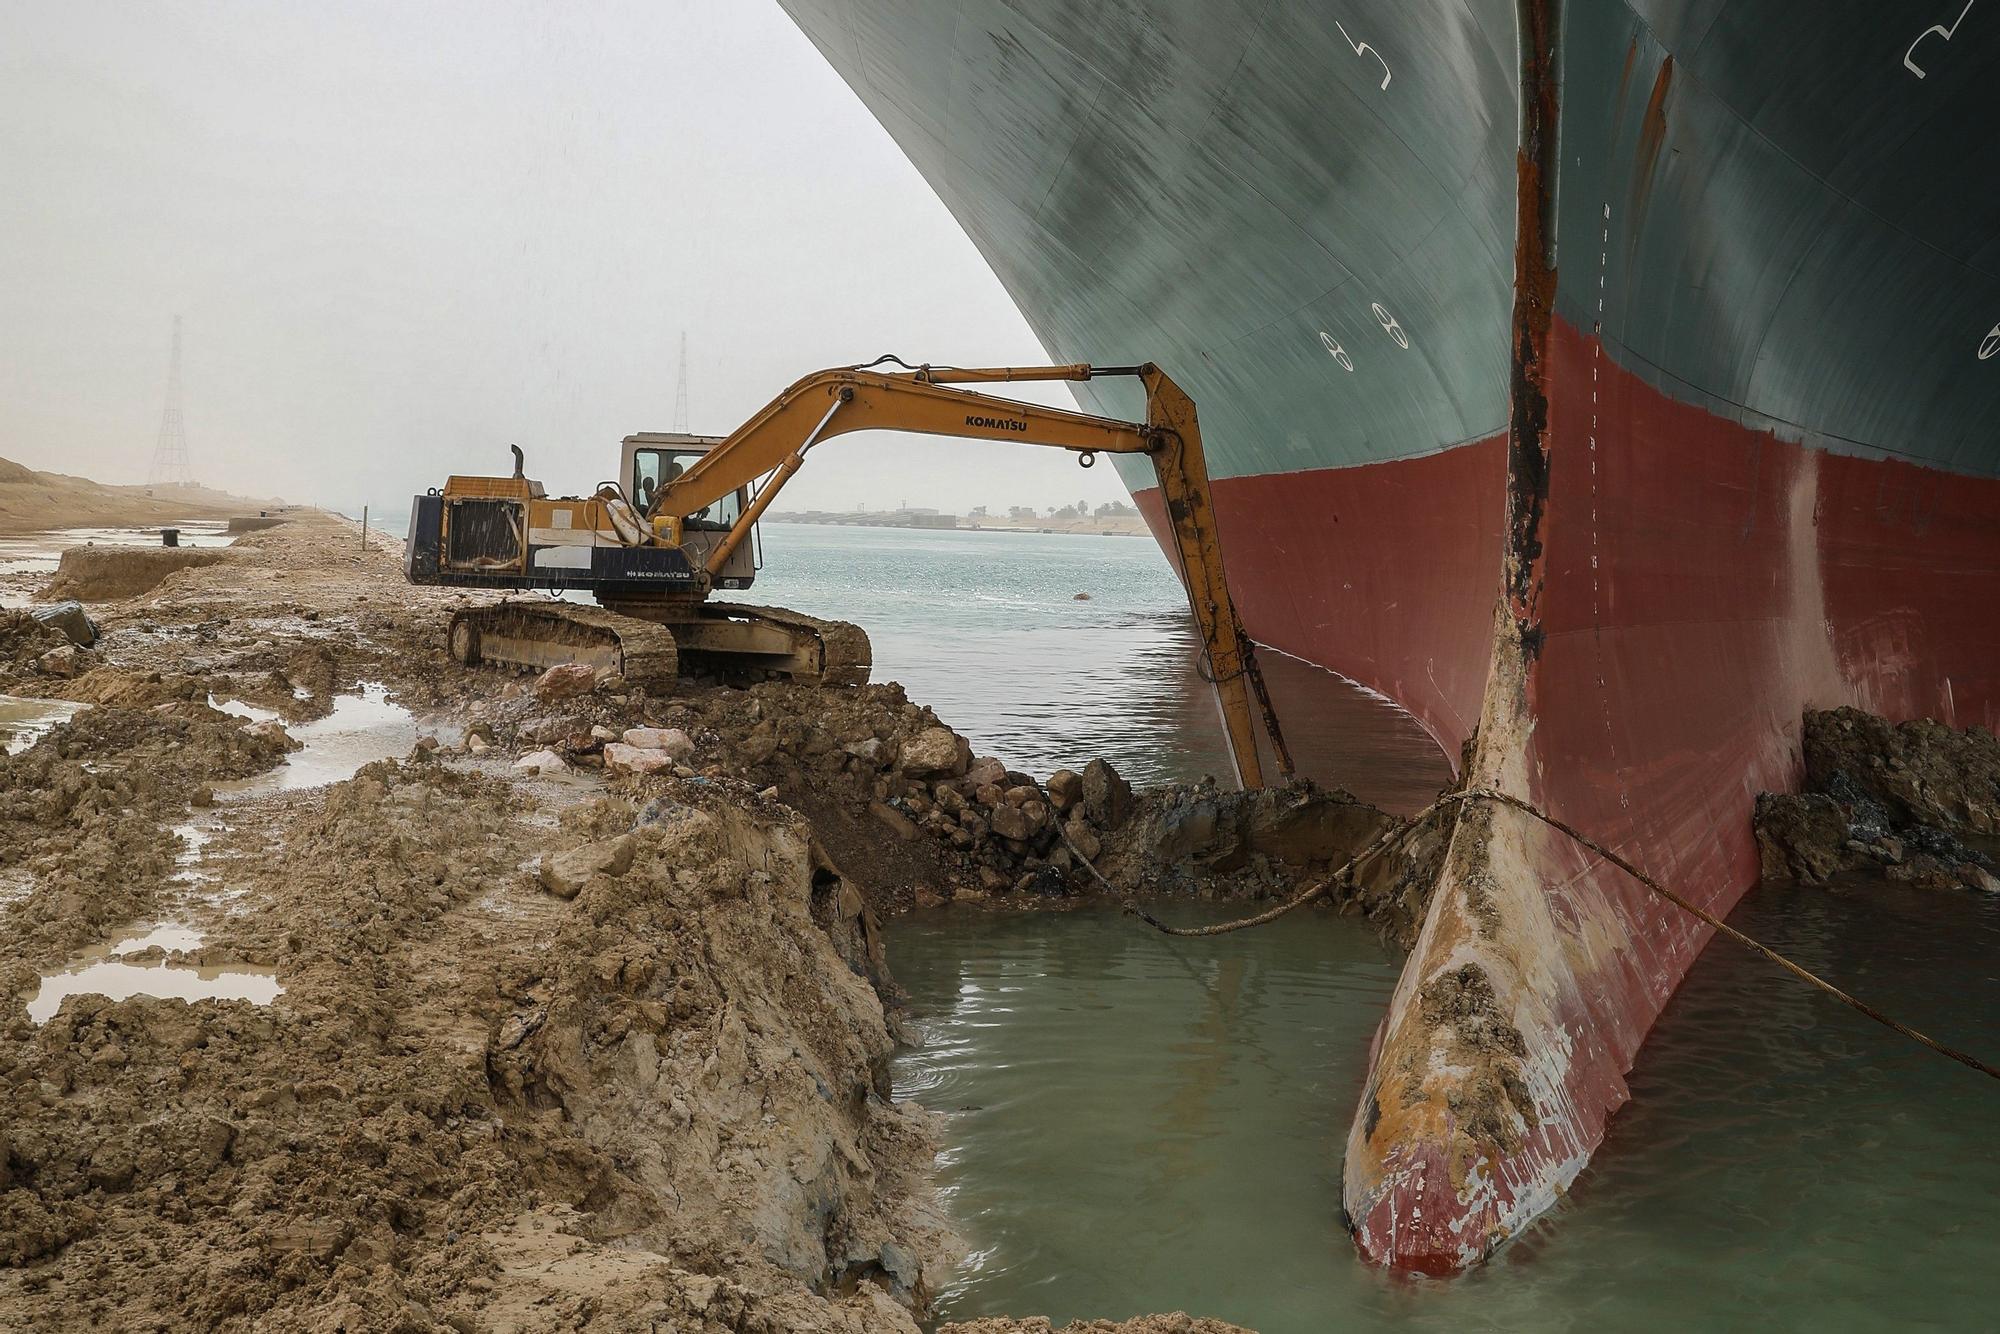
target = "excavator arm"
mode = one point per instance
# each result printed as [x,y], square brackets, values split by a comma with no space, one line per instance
[926,400]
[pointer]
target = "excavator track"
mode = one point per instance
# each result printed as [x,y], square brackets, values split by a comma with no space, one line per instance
[734,641]
[845,655]
[540,633]
[649,641]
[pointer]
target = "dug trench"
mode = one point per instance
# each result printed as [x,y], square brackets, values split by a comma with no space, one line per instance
[584,1016]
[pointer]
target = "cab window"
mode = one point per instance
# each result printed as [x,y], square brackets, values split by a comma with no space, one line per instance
[654,468]
[650,469]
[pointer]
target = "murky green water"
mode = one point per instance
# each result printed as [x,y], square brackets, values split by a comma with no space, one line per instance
[986,628]
[1142,1124]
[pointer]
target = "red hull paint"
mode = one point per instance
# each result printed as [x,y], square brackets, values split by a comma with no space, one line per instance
[1383,573]
[1704,585]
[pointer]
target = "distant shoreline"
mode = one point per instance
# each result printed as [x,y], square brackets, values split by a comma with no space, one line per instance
[36,502]
[1126,526]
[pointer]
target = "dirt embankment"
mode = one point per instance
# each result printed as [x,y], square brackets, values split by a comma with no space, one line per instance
[106,574]
[575,1047]
[1915,801]
[32,502]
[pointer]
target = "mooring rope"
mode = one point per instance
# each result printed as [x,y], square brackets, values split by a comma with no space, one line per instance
[1569,831]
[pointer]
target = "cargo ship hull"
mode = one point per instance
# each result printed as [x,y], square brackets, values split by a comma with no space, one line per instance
[1609,382]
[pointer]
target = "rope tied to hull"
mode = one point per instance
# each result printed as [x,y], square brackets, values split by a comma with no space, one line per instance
[1319,888]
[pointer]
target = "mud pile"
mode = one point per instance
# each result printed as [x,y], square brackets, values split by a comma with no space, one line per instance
[658,1100]
[100,574]
[1916,801]
[85,818]
[24,642]
[904,806]
[477,1104]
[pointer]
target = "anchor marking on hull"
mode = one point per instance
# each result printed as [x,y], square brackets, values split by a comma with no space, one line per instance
[1389,325]
[1363,49]
[1336,351]
[1938,28]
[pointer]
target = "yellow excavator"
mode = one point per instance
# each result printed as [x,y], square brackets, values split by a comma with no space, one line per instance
[680,521]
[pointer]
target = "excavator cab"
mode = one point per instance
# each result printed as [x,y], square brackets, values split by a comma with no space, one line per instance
[656,459]
[508,533]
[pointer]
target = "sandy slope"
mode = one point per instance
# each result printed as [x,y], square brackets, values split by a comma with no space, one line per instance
[31,501]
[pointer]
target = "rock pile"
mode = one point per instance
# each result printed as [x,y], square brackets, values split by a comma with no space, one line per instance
[30,647]
[896,770]
[1912,800]
[914,815]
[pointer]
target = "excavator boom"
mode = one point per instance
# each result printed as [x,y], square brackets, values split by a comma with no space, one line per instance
[652,546]
[773,445]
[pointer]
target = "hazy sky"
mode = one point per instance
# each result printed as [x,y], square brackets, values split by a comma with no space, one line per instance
[403,235]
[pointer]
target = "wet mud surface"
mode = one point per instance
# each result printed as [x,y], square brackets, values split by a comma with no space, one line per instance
[324,1008]
[1916,802]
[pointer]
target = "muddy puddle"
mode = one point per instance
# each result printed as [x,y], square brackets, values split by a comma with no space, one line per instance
[28,559]
[22,553]
[236,708]
[113,971]
[187,862]
[361,729]
[23,722]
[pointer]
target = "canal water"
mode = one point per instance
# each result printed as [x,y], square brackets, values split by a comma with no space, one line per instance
[986,628]
[1135,1123]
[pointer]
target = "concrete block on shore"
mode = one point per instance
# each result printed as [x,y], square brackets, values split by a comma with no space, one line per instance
[69,617]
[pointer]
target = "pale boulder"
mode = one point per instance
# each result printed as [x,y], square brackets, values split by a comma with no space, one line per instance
[66,660]
[564,874]
[565,681]
[935,752]
[273,730]
[986,772]
[636,759]
[869,750]
[542,761]
[676,743]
